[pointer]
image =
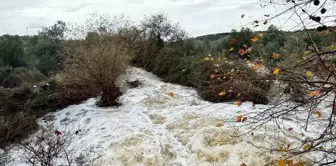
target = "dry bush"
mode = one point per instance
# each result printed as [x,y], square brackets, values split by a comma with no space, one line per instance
[97,62]
[14,123]
[15,127]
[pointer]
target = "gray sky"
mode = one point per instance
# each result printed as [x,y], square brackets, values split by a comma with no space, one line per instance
[197,17]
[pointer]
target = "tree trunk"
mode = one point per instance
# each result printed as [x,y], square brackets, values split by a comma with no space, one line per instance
[109,96]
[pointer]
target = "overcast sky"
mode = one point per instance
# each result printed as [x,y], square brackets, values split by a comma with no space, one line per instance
[197,17]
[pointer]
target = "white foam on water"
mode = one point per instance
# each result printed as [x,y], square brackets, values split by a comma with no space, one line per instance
[152,128]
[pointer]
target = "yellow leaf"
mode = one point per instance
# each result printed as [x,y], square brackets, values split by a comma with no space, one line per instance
[231,49]
[265,22]
[254,39]
[239,118]
[318,113]
[276,71]
[281,162]
[222,93]
[275,55]
[261,35]
[306,53]
[306,147]
[171,94]
[206,58]
[314,93]
[332,47]
[309,74]
[238,94]
[300,163]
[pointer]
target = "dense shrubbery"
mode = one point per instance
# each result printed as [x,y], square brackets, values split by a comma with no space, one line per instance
[183,62]
[30,86]
[187,70]
[233,80]
[20,107]
[25,63]
[16,77]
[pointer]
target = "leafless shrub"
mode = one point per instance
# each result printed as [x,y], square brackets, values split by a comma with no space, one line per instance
[99,59]
[15,127]
[48,149]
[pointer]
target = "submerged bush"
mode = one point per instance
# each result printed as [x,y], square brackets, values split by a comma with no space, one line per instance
[233,80]
[96,63]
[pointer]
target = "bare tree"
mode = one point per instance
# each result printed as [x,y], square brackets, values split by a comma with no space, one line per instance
[315,73]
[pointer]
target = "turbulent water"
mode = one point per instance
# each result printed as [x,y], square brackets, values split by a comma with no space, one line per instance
[155,128]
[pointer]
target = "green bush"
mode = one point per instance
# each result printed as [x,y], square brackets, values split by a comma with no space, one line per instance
[4,72]
[243,38]
[16,77]
[268,50]
[173,66]
[273,34]
[12,81]
[12,51]
[146,52]
[236,80]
